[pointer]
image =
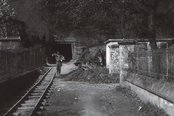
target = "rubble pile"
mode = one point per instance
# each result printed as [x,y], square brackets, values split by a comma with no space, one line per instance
[92,75]
[91,69]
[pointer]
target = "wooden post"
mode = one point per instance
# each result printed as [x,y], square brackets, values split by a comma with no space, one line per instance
[167,63]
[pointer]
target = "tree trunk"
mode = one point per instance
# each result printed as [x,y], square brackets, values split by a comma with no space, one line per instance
[152,30]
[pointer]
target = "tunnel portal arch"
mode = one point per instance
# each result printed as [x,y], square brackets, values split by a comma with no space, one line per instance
[70,49]
[65,49]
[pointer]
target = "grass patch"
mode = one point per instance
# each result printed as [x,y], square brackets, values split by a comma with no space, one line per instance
[145,109]
[159,86]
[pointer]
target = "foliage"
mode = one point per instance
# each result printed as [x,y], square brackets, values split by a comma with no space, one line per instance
[112,18]
[5,12]
[86,16]
[157,18]
[5,9]
[100,18]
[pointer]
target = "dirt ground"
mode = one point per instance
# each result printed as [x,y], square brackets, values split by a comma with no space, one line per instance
[77,96]
[82,99]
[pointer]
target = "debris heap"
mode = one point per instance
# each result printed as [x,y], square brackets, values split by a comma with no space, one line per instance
[92,75]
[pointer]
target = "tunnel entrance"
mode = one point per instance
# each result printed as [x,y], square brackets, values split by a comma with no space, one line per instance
[65,50]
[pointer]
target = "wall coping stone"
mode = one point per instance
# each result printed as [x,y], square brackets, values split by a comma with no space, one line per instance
[133,41]
[10,39]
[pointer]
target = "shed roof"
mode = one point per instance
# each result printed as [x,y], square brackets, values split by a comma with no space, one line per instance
[137,40]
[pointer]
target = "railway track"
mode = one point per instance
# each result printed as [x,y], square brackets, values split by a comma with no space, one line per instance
[35,97]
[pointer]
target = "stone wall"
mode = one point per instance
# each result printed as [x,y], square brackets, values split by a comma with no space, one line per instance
[108,53]
[134,58]
[11,43]
[118,57]
[114,61]
[129,56]
[124,60]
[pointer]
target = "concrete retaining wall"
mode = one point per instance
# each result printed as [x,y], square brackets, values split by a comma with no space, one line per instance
[148,96]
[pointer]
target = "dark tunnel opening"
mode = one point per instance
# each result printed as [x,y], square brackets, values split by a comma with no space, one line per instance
[64,49]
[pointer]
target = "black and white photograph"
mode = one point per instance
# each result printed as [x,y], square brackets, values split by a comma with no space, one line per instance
[86,57]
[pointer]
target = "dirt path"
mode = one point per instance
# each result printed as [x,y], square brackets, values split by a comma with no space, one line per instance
[68,67]
[83,99]
[71,98]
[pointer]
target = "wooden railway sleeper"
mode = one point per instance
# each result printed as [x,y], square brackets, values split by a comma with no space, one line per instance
[25,108]
[38,90]
[36,94]
[33,97]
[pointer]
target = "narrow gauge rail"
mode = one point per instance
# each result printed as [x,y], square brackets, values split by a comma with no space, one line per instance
[29,104]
